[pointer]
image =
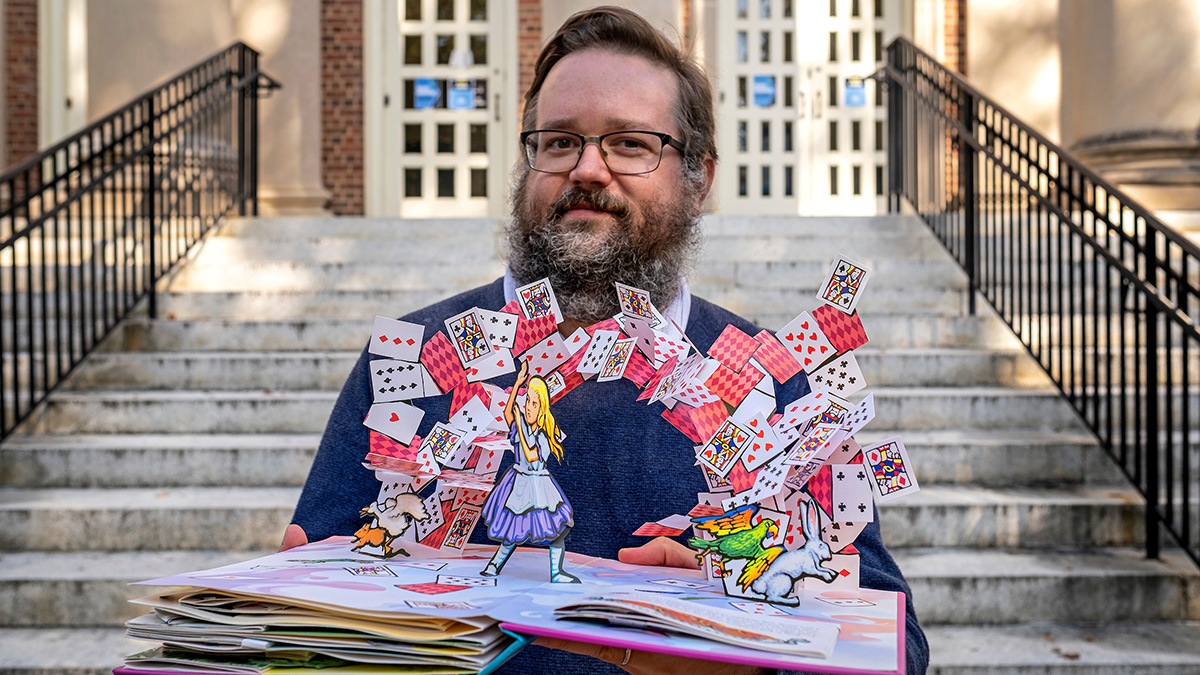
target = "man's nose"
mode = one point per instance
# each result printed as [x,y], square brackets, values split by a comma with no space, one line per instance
[591,168]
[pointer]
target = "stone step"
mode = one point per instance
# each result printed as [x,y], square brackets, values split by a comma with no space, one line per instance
[144,519]
[967,516]
[268,411]
[65,651]
[171,460]
[1107,647]
[91,588]
[405,229]
[953,516]
[280,370]
[948,586]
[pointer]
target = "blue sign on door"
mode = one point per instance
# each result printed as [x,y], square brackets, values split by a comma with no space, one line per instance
[856,92]
[764,90]
[426,93]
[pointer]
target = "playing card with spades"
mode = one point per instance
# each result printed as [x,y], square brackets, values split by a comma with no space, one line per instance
[636,303]
[843,284]
[395,380]
[597,352]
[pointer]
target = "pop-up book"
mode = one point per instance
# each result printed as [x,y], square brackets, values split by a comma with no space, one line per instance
[788,489]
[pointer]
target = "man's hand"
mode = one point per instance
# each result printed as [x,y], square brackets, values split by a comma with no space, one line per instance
[666,553]
[293,536]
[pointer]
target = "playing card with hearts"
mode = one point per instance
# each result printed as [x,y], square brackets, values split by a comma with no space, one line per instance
[852,493]
[733,348]
[811,444]
[843,284]
[465,331]
[396,339]
[537,299]
[396,420]
[395,380]
[842,376]
[461,524]
[764,444]
[774,357]
[725,447]
[499,362]
[891,471]
[546,355]
[805,342]
[577,340]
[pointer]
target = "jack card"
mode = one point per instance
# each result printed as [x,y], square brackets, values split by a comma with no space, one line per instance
[843,284]
[891,471]
[537,299]
[616,361]
[725,448]
[467,336]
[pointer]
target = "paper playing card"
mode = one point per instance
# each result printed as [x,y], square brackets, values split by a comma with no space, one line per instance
[846,581]
[733,348]
[430,565]
[848,451]
[679,583]
[499,362]
[421,529]
[465,331]
[666,348]
[446,446]
[842,376]
[472,419]
[636,303]
[891,472]
[725,448]
[533,331]
[393,380]
[852,493]
[799,412]
[840,534]
[546,355]
[465,581]
[760,608]
[500,327]
[756,404]
[732,386]
[716,483]
[397,421]
[805,342]
[811,444]
[432,589]
[461,525]
[615,362]
[845,331]
[577,340]
[440,359]
[858,418]
[774,357]
[597,351]
[537,299]
[396,339]
[643,335]
[843,284]
[695,395]
[764,445]
[386,447]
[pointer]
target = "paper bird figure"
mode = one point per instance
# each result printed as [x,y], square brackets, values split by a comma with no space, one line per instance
[736,539]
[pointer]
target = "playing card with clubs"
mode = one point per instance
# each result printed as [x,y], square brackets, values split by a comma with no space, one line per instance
[396,339]
[843,284]
[500,327]
[461,525]
[546,355]
[537,299]
[466,334]
[891,471]
[841,376]
[725,447]
[848,451]
[397,420]
[811,444]
[472,419]
[616,361]
[858,418]
[852,493]
[394,380]
[497,363]
[446,446]
[636,303]
[597,351]
[805,342]
[456,580]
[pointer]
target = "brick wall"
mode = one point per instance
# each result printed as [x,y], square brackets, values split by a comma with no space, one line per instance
[529,45]
[956,35]
[342,104]
[20,124]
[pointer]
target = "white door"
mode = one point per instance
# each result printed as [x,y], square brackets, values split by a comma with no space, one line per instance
[447,124]
[801,131]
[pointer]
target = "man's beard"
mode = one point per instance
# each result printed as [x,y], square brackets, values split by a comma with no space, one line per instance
[582,266]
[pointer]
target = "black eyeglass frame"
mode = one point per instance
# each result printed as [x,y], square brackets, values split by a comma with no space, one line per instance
[667,140]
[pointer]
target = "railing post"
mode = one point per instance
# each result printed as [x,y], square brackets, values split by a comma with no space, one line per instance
[969,189]
[1153,543]
[893,141]
[150,210]
[242,57]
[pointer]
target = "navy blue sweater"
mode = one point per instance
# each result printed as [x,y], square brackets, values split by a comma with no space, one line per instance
[623,465]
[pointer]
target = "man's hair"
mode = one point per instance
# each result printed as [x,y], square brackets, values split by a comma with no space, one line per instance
[622,31]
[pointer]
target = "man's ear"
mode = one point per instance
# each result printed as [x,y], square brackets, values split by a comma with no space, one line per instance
[710,171]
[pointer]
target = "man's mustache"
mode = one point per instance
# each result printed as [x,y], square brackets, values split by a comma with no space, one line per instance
[597,200]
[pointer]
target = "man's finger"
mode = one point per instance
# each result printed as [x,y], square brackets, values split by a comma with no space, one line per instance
[660,551]
[293,536]
[613,655]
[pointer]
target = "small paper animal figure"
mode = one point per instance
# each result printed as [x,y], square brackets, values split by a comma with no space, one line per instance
[779,579]
[389,520]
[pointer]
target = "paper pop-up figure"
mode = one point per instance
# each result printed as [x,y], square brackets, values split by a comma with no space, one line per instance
[528,506]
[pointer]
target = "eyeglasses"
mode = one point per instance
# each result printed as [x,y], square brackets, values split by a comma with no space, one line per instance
[624,152]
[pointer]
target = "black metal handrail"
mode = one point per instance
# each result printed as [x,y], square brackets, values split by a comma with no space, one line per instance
[89,225]
[1100,292]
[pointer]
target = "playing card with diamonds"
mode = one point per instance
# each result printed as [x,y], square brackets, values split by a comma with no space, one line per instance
[537,299]
[597,351]
[725,448]
[500,327]
[805,342]
[461,525]
[841,376]
[733,348]
[852,493]
[759,608]
[666,348]
[546,355]
[446,446]
[802,410]
[396,339]
[695,395]
[811,444]
[636,303]
[466,334]
[891,472]
[397,420]
[843,284]
[393,380]
[616,361]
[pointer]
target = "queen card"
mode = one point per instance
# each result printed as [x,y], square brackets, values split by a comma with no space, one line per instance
[843,284]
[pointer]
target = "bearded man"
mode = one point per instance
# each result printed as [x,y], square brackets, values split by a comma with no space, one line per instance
[620,154]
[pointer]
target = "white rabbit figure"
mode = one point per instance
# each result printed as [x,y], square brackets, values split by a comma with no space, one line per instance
[777,582]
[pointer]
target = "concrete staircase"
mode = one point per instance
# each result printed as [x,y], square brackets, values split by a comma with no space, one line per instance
[184,442]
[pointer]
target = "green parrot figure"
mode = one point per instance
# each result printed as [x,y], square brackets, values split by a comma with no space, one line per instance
[737,539]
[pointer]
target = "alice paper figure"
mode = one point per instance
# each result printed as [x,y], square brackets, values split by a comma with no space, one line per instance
[528,506]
